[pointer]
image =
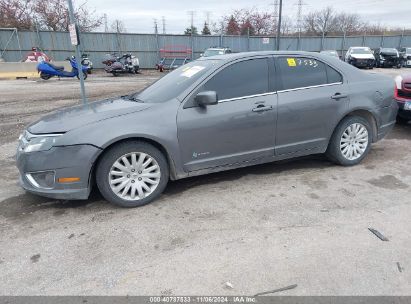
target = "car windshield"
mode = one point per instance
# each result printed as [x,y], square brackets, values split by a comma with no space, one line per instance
[175,82]
[361,51]
[388,50]
[209,53]
[332,53]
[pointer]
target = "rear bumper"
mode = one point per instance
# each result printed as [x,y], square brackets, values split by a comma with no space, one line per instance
[387,120]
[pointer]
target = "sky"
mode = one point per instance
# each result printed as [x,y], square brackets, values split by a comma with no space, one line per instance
[138,16]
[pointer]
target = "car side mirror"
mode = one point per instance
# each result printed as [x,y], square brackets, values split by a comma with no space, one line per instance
[206,98]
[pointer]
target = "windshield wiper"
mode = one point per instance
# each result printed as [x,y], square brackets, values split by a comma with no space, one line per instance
[132,98]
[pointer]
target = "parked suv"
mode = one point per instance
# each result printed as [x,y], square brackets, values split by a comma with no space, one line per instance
[387,57]
[361,57]
[216,51]
[405,54]
[212,114]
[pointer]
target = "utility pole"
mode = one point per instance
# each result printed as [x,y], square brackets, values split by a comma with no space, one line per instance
[207,15]
[163,21]
[191,14]
[105,23]
[275,5]
[78,56]
[280,12]
[300,4]
[155,26]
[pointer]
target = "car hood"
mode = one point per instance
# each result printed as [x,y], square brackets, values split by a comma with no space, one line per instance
[71,118]
[362,56]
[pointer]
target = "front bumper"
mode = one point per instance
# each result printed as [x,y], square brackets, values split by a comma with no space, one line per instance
[362,63]
[406,114]
[68,161]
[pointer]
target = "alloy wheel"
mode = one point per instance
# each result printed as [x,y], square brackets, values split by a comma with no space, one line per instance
[134,176]
[354,141]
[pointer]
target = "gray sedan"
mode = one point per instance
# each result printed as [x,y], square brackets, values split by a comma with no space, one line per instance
[213,114]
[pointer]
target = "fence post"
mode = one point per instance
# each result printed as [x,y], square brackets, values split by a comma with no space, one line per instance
[402,37]
[192,45]
[363,40]
[382,40]
[18,43]
[343,46]
[322,41]
[248,39]
[158,47]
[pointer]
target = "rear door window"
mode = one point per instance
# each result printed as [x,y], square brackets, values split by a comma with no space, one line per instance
[300,72]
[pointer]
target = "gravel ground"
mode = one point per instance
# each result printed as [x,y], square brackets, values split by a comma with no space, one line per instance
[302,221]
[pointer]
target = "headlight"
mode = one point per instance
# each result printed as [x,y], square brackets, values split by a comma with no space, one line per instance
[32,143]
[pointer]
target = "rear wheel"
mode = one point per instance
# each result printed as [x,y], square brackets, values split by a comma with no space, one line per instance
[402,120]
[132,174]
[350,142]
[45,76]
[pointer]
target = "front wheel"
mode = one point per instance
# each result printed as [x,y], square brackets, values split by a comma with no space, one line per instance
[132,174]
[350,142]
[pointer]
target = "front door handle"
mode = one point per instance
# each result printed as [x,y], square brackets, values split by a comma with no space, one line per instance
[339,96]
[262,108]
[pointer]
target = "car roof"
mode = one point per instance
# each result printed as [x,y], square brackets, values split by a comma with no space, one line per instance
[233,56]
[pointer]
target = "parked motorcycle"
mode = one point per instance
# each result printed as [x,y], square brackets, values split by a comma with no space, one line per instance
[87,62]
[48,70]
[120,65]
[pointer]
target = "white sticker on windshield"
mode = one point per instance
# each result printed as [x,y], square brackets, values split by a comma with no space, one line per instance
[192,71]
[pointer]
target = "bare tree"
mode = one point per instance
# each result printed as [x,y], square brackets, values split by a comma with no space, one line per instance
[118,26]
[53,15]
[350,24]
[16,14]
[50,15]
[258,23]
[319,22]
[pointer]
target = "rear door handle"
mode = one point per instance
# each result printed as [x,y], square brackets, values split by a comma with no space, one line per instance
[262,108]
[339,96]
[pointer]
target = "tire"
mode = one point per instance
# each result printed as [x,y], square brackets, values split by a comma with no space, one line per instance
[401,120]
[112,161]
[84,76]
[45,76]
[357,142]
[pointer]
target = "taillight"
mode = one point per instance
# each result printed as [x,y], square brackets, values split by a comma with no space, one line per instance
[399,98]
